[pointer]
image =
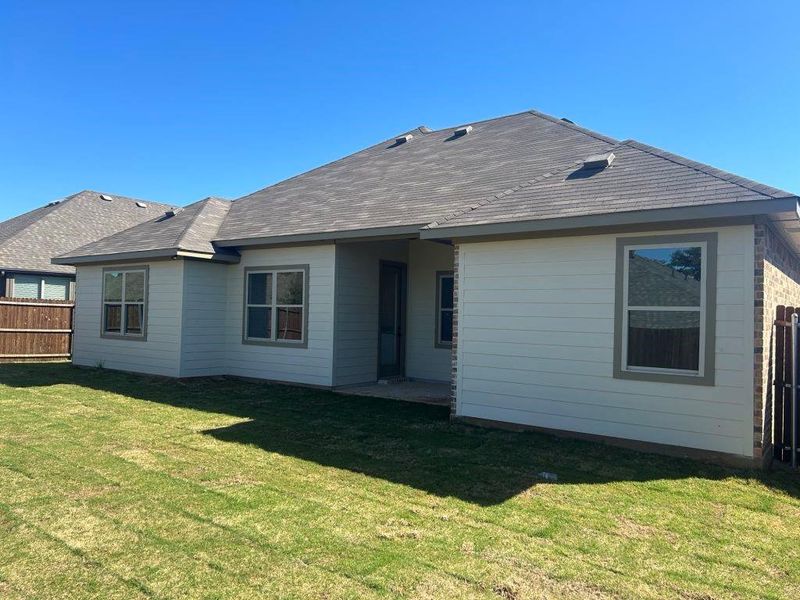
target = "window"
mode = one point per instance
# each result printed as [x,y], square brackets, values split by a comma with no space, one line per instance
[40,287]
[27,286]
[444,309]
[664,329]
[276,305]
[124,302]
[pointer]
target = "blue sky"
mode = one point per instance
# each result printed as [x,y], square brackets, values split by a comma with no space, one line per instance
[175,101]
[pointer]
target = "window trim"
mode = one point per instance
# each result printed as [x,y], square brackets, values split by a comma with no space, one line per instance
[708,310]
[437,339]
[306,303]
[133,337]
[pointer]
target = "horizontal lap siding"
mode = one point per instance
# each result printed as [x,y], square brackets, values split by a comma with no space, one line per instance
[204,318]
[536,338]
[423,359]
[159,354]
[312,365]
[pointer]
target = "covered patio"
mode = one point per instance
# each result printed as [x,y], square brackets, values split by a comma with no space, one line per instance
[424,392]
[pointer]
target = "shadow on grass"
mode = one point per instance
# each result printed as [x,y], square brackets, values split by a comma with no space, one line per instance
[406,443]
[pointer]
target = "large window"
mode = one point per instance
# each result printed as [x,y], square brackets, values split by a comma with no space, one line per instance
[665,307]
[276,305]
[444,309]
[124,302]
[41,287]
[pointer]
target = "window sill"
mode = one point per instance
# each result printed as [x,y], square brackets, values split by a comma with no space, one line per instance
[120,336]
[277,343]
[665,377]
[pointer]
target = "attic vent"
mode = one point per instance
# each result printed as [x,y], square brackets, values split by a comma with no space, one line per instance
[54,203]
[106,197]
[141,205]
[403,139]
[172,212]
[566,120]
[599,161]
[462,131]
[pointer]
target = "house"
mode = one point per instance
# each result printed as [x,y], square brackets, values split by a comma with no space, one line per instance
[29,242]
[555,277]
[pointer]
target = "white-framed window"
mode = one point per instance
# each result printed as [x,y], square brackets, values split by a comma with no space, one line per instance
[276,305]
[666,308]
[444,309]
[43,287]
[125,302]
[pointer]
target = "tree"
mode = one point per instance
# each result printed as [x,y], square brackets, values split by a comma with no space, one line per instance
[687,262]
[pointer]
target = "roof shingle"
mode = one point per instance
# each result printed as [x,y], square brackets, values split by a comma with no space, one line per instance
[191,229]
[28,242]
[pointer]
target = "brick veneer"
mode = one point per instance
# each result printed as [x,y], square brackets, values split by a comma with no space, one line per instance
[453,351]
[777,282]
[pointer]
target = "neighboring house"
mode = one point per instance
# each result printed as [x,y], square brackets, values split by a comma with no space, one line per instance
[29,242]
[556,277]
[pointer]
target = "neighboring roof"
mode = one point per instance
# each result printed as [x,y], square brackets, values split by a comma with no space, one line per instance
[180,232]
[640,178]
[392,185]
[29,241]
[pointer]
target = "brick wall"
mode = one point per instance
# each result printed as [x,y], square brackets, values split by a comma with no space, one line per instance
[453,351]
[777,282]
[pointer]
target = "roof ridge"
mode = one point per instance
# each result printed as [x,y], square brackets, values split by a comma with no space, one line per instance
[509,191]
[121,197]
[571,125]
[426,130]
[55,205]
[743,182]
[206,202]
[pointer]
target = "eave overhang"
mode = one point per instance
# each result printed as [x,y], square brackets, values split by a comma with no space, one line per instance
[767,207]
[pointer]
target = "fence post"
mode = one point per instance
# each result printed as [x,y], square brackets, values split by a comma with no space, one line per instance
[794,392]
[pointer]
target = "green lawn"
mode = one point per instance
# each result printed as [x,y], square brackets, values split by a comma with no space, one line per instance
[120,486]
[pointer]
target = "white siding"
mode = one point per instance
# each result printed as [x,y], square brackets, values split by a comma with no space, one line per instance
[312,365]
[204,318]
[357,274]
[159,354]
[535,345]
[423,359]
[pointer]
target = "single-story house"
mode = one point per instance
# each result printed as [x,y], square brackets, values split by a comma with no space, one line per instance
[29,242]
[555,277]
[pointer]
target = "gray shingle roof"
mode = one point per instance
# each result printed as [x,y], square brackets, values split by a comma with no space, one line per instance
[191,229]
[29,241]
[414,183]
[640,178]
[520,168]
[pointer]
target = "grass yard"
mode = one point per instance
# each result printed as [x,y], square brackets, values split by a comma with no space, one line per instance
[120,486]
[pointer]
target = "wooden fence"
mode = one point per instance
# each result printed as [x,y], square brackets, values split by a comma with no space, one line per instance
[35,329]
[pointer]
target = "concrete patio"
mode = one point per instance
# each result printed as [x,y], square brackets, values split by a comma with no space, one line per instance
[410,391]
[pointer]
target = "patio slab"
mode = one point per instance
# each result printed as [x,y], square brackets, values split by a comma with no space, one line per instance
[411,391]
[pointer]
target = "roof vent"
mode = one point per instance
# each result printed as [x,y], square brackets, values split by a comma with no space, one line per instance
[54,203]
[141,205]
[403,139]
[106,197]
[566,120]
[599,161]
[462,131]
[172,212]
